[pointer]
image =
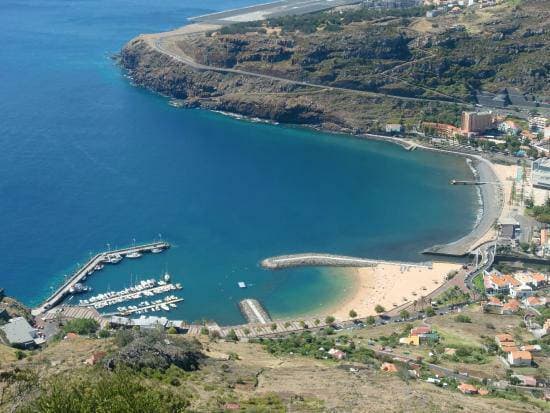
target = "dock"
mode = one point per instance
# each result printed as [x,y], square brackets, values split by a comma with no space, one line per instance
[457,182]
[132,295]
[253,311]
[148,307]
[58,296]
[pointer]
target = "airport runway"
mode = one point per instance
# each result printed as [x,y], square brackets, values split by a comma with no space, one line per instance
[270,10]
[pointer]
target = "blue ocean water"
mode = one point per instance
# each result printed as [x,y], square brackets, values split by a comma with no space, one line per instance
[87,159]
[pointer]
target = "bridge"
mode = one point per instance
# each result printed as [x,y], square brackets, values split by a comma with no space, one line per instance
[58,296]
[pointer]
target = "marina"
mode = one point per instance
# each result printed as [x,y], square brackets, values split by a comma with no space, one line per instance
[96,264]
[147,288]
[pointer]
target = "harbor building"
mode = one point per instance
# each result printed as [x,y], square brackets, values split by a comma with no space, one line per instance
[541,173]
[476,122]
[19,333]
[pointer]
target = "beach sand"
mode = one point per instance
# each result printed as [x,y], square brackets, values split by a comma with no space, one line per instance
[390,285]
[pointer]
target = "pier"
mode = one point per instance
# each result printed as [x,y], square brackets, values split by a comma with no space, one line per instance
[149,307]
[83,271]
[457,182]
[254,312]
[314,259]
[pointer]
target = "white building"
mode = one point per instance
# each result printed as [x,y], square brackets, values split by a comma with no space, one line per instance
[537,123]
[541,173]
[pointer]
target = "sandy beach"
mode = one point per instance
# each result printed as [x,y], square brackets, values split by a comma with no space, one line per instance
[391,285]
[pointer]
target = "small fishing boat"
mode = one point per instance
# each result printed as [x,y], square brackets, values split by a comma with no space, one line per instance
[133,255]
[241,284]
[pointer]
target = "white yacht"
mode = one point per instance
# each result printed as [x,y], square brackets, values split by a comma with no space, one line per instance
[133,255]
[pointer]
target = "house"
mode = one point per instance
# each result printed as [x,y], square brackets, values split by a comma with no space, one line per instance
[419,335]
[529,381]
[493,305]
[232,406]
[509,347]
[511,307]
[410,340]
[535,302]
[71,336]
[546,327]
[19,333]
[388,367]
[519,358]
[496,283]
[534,280]
[466,388]
[337,354]
[500,339]
[521,291]
[95,358]
[483,392]
[394,128]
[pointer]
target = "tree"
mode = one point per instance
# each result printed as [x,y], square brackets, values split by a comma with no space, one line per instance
[379,309]
[329,319]
[273,326]
[287,324]
[317,322]
[352,313]
[371,320]
[246,331]
[172,330]
[232,336]
[404,314]
[461,318]
[430,312]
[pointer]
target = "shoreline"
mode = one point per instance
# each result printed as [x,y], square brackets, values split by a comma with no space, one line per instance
[491,199]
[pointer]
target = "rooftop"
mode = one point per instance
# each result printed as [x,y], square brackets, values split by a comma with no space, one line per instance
[19,331]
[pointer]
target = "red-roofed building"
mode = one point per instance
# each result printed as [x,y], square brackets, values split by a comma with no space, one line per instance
[519,358]
[511,307]
[500,339]
[535,302]
[467,388]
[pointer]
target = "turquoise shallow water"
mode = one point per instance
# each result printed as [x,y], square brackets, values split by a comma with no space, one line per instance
[87,159]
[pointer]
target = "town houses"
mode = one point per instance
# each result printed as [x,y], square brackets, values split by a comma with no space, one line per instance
[519,286]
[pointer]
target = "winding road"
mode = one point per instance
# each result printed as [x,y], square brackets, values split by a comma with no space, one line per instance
[159,43]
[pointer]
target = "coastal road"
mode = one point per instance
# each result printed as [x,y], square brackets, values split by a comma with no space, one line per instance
[160,43]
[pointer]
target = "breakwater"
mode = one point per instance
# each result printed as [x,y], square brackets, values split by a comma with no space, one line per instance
[330,260]
[254,312]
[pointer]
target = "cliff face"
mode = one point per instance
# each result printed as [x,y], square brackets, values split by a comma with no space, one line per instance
[249,96]
[274,100]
